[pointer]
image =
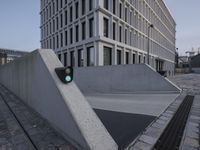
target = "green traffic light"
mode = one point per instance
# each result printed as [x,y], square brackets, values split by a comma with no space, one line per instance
[68,78]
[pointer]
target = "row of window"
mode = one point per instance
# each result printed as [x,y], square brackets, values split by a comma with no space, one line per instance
[75,33]
[73,10]
[132,37]
[131,16]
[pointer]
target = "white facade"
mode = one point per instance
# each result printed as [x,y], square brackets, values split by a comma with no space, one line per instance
[109,32]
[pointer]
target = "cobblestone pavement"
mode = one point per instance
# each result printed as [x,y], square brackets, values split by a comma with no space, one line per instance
[21,128]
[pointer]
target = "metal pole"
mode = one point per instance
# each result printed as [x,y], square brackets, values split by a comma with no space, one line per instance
[148,47]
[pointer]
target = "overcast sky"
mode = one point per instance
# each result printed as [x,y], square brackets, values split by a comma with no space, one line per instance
[20,21]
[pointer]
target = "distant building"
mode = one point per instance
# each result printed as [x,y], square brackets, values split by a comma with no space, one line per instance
[109,32]
[195,61]
[7,55]
[183,62]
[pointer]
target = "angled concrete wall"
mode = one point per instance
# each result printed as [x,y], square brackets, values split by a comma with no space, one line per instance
[33,79]
[139,78]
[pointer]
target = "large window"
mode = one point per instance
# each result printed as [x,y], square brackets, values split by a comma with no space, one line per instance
[66,17]
[59,57]
[120,10]
[71,35]
[83,7]
[66,38]
[139,59]
[90,4]
[119,57]
[133,58]
[114,31]
[91,28]
[77,33]
[126,36]
[120,33]
[90,56]
[106,26]
[71,13]
[65,59]
[80,58]
[106,4]
[61,20]
[114,6]
[107,55]
[127,57]
[72,58]
[77,9]
[83,30]
[61,39]
[126,13]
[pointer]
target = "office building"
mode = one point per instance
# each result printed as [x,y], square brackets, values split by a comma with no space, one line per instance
[109,32]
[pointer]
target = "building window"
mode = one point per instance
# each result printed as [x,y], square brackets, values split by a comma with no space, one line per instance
[106,4]
[54,42]
[127,57]
[119,57]
[53,25]
[66,38]
[57,23]
[59,57]
[61,40]
[126,13]
[57,41]
[83,7]
[144,60]
[114,31]
[71,35]
[65,17]
[65,59]
[114,6]
[120,33]
[139,59]
[77,9]
[133,58]
[90,56]
[80,58]
[126,36]
[72,58]
[77,33]
[91,28]
[90,4]
[56,5]
[106,26]
[83,30]
[120,10]
[61,3]
[107,55]
[71,13]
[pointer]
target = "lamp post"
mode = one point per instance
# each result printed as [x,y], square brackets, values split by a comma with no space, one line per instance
[149,27]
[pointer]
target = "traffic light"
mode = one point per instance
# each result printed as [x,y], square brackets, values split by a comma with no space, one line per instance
[65,74]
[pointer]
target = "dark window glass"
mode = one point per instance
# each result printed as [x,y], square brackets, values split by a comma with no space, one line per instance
[71,13]
[77,33]
[59,57]
[107,56]
[120,34]
[144,59]
[71,35]
[61,20]
[56,5]
[90,4]
[61,3]
[66,38]
[57,41]
[139,59]
[106,5]
[83,7]
[105,20]
[126,36]
[120,10]
[119,57]
[114,30]
[53,42]
[65,17]
[90,56]
[133,58]
[80,58]
[65,59]
[91,28]
[72,58]
[83,30]
[126,13]
[127,57]
[57,23]
[114,6]
[61,39]
[77,9]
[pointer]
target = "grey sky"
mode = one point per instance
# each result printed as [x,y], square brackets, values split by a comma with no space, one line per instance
[186,14]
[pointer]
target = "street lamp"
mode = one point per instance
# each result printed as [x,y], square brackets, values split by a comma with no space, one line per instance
[149,27]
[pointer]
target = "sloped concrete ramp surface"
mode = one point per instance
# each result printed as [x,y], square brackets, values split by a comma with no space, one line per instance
[127,98]
[33,79]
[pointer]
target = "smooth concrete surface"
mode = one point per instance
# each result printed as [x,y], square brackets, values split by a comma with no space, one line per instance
[33,79]
[146,104]
[137,78]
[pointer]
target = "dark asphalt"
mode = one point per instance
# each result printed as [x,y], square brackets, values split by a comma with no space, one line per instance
[124,127]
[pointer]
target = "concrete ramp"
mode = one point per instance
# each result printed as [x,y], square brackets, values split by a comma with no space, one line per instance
[139,78]
[33,79]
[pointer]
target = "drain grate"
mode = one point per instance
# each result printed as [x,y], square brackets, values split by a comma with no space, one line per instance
[171,137]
